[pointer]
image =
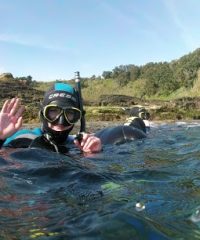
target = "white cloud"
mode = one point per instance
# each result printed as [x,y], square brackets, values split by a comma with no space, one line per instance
[32,41]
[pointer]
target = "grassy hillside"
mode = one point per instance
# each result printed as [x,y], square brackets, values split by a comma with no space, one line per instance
[170,90]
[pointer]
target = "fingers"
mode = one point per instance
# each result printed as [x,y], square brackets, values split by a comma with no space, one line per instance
[19,111]
[13,107]
[5,106]
[92,145]
[18,123]
[10,104]
[89,143]
[14,104]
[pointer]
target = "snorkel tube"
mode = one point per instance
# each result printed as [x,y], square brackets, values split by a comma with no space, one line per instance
[78,88]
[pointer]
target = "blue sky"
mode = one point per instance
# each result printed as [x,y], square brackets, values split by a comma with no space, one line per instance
[51,39]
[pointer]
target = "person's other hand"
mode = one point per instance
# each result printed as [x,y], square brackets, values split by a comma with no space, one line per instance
[10,117]
[89,143]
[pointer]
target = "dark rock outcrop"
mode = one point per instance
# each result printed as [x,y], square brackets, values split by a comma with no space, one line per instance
[30,97]
[119,100]
[6,76]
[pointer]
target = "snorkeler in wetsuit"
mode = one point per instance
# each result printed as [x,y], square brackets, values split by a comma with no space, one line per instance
[59,112]
[135,127]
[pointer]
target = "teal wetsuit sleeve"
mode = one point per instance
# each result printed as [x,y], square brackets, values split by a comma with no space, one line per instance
[24,138]
[23,134]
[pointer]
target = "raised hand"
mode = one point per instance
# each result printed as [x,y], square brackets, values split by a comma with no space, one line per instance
[10,117]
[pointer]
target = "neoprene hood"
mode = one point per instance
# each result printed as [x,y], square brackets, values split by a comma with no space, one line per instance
[65,96]
[61,93]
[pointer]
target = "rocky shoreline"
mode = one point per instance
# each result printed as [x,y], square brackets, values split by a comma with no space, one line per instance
[105,108]
[94,126]
[91,126]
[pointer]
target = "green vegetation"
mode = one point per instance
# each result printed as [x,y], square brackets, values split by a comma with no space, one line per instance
[163,80]
[104,113]
[174,85]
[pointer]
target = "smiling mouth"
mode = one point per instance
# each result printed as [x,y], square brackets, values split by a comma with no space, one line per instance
[59,128]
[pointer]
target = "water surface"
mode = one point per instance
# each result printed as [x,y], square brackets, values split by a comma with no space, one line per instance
[144,189]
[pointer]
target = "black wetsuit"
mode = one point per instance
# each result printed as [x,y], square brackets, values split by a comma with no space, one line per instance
[123,133]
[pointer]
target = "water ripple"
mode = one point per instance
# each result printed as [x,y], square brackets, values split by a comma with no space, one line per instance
[147,189]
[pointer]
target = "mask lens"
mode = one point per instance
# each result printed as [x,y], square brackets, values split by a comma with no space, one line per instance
[72,115]
[52,113]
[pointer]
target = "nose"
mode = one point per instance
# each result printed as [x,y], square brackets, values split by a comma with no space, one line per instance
[62,120]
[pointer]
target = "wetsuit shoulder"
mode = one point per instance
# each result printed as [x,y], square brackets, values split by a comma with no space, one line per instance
[22,138]
[119,134]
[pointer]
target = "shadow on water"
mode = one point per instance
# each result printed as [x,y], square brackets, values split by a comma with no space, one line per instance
[145,189]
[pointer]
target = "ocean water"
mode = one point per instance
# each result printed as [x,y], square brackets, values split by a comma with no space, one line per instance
[143,189]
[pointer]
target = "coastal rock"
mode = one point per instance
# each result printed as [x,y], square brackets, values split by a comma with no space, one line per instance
[6,76]
[119,100]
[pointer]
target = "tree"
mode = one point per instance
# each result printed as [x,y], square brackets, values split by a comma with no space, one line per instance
[123,78]
[28,80]
[134,72]
[107,74]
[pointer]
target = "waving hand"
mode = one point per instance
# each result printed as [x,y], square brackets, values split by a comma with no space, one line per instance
[10,117]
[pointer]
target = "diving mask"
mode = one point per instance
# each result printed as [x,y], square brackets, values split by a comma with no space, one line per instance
[52,113]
